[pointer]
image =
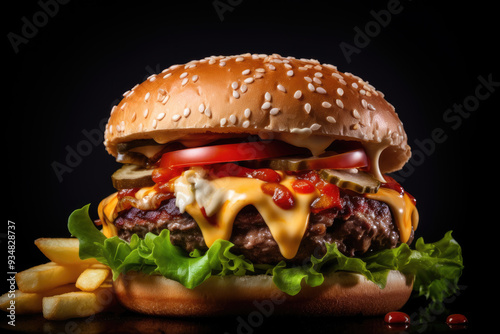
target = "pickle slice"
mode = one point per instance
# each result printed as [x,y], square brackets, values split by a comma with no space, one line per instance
[360,182]
[132,176]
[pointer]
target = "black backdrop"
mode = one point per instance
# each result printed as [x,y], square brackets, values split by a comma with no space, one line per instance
[69,62]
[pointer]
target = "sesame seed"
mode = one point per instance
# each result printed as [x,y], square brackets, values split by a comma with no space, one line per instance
[272,67]
[152,78]
[364,103]
[311,87]
[222,63]
[146,113]
[290,73]
[195,78]
[321,90]
[318,74]
[240,59]
[133,116]
[167,75]
[232,119]
[146,97]
[371,107]
[342,81]
[246,72]
[308,79]
[355,126]
[201,108]
[338,76]
[297,94]
[248,80]
[362,92]
[165,99]
[261,70]
[176,117]
[186,112]
[244,88]
[155,123]
[267,96]
[208,112]
[246,124]
[274,111]
[288,66]
[223,122]
[258,75]
[184,81]
[266,105]
[282,88]
[331,119]
[317,80]
[183,75]
[160,116]
[236,95]
[355,113]
[339,103]
[315,126]
[307,108]
[234,85]
[123,106]
[326,104]
[354,85]
[340,91]
[247,113]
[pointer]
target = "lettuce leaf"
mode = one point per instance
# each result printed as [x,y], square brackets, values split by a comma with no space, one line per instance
[436,266]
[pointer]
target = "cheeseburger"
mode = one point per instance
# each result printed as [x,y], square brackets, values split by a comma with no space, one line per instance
[255,178]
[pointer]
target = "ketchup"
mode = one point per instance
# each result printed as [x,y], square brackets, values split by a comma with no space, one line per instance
[282,196]
[456,321]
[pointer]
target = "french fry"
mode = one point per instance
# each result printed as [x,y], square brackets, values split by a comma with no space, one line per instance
[47,276]
[92,278]
[31,302]
[78,304]
[62,250]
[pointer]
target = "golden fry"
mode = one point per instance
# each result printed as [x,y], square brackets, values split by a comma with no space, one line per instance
[47,276]
[62,250]
[30,302]
[78,304]
[92,278]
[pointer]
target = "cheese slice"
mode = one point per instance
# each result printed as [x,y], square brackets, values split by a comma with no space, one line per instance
[287,226]
[404,212]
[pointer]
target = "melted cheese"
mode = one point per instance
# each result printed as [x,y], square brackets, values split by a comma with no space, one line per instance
[223,198]
[404,212]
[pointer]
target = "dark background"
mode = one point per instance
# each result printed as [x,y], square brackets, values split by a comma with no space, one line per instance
[71,61]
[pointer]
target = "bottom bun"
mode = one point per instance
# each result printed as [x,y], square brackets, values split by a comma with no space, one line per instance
[341,294]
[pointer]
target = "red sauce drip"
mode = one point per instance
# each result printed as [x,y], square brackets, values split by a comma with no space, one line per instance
[212,220]
[303,186]
[329,193]
[456,319]
[282,196]
[397,318]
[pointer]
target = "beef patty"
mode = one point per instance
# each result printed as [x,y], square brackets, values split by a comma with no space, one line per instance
[362,225]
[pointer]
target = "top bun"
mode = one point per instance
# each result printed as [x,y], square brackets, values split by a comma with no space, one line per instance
[299,101]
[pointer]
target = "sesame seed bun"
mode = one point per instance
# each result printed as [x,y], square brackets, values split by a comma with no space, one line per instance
[299,101]
[341,294]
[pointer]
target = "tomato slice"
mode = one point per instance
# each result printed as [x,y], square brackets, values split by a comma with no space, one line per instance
[207,155]
[351,159]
